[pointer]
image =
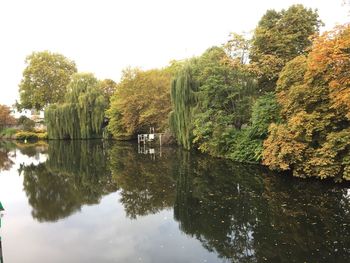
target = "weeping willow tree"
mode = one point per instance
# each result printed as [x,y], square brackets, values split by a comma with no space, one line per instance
[81,115]
[183,100]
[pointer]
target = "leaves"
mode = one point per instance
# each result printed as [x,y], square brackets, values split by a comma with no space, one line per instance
[183,99]
[313,92]
[141,101]
[6,119]
[45,79]
[81,115]
[278,38]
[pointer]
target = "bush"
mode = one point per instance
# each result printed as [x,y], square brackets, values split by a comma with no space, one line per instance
[30,136]
[42,136]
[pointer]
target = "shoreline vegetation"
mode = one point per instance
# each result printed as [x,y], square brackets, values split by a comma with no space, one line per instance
[279,98]
[20,135]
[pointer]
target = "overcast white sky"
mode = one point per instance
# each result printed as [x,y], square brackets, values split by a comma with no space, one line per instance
[105,36]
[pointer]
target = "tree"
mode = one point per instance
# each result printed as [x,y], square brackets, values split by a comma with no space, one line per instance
[26,123]
[237,48]
[330,58]
[45,79]
[225,95]
[183,88]
[247,144]
[314,136]
[212,97]
[278,38]
[108,88]
[6,118]
[81,115]
[141,101]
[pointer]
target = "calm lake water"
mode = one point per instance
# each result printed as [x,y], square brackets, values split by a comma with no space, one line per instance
[93,201]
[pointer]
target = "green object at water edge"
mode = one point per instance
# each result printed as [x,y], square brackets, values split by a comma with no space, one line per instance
[1,207]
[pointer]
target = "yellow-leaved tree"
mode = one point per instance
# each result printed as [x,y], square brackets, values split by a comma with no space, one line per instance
[314,93]
[141,101]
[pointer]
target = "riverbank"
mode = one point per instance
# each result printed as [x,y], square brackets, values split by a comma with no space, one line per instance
[14,134]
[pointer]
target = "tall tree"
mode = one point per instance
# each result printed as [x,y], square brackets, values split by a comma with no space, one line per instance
[314,138]
[81,115]
[108,87]
[225,96]
[5,117]
[183,88]
[141,101]
[45,79]
[278,38]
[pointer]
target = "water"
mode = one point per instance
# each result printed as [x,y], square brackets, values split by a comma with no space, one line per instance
[111,202]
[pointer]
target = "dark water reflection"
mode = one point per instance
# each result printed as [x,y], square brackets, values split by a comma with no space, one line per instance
[241,213]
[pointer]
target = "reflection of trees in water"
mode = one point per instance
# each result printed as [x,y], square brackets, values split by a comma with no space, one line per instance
[304,221]
[214,204]
[147,186]
[240,212]
[246,215]
[33,149]
[75,174]
[6,151]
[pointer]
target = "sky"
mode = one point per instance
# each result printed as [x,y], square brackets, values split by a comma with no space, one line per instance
[106,36]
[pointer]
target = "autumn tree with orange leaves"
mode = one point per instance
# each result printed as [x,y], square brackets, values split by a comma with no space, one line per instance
[314,92]
[6,118]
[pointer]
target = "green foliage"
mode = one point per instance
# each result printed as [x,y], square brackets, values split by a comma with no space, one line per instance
[246,145]
[224,87]
[81,116]
[224,99]
[183,88]
[265,111]
[246,149]
[141,101]
[108,87]
[45,79]
[278,38]
[8,132]
[26,123]
[212,100]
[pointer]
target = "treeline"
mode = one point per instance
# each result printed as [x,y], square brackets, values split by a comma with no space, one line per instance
[280,98]
[74,102]
[287,106]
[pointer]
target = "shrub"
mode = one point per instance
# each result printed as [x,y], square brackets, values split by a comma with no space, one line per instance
[30,136]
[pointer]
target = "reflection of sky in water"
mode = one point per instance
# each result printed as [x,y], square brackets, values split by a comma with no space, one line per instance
[65,208]
[98,233]
[10,182]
